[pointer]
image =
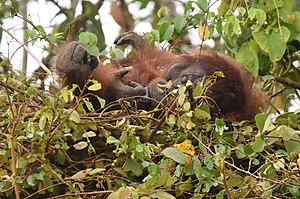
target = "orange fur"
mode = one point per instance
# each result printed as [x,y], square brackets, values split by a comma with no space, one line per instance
[233,94]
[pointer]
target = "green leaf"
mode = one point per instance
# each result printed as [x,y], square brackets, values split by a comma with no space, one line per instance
[248,56]
[166,31]
[235,181]
[92,50]
[285,132]
[22,163]
[209,162]
[219,74]
[201,114]
[259,14]
[154,35]
[179,24]
[31,91]
[31,180]
[242,10]
[259,144]
[42,122]
[101,101]
[52,39]
[84,38]
[139,148]
[88,104]
[162,11]
[274,44]
[190,125]
[79,175]
[181,90]
[80,145]
[202,4]
[198,91]
[290,138]
[248,150]
[74,116]
[292,146]
[40,175]
[93,39]
[186,106]
[231,26]
[162,195]
[60,156]
[133,166]
[279,164]
[117,53]
[122,192]
[30,34]
[152,169]
[41,29]
[89,134]
[260,120]
[111,140]
[96,171]
[175,154]
[285,33]
[269,5]
[47,182]
[197,168]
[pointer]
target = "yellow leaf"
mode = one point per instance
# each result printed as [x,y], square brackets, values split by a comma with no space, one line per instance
[219,74]
[107,61]
[203,31]
[298,160]
[95,87]
[187,148]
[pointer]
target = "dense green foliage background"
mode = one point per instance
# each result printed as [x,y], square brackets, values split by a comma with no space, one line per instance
[51,148]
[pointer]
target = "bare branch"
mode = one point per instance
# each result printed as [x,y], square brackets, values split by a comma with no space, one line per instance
[288,82]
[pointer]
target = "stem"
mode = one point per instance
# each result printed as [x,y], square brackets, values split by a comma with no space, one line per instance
[222,168]
[12,148]
[13,160]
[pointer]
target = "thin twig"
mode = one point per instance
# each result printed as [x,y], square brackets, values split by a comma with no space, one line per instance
[82,194]
[27,49]
[288,82]
[161,120]
[223,176]
[12,148]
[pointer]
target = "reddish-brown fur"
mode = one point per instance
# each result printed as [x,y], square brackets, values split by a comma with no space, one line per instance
[233,94]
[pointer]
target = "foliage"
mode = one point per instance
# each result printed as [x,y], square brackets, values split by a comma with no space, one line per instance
[55,145]
[58,149]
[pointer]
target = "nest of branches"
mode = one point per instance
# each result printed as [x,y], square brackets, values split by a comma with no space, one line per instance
[51,148]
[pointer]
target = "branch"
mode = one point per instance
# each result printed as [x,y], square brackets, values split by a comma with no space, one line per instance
[12,140]
[288,82]
[82,194]
[161,120]
[27,49]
